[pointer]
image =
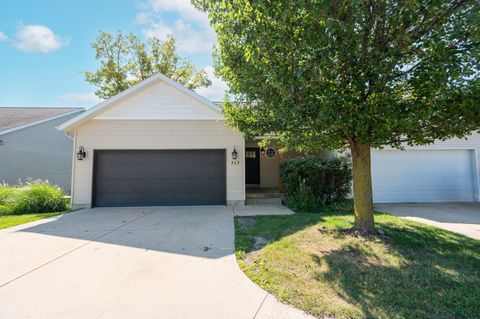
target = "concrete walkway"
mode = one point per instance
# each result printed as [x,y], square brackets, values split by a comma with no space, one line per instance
[130,263]
[462,218]
[262,210]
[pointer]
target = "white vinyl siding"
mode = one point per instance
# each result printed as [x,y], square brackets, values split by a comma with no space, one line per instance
[156,134]
[159,101]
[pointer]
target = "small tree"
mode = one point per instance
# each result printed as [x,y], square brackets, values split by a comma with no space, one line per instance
[126,60]
[355,74]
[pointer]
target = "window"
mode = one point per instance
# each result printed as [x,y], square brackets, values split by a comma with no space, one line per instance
[271,152]
[250,154]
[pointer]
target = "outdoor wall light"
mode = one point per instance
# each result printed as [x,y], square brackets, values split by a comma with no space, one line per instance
[234,153]
[81,153]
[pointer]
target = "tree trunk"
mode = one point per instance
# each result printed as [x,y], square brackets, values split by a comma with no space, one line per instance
[362,188]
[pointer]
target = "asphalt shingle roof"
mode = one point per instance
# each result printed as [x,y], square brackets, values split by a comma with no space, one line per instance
[11,117]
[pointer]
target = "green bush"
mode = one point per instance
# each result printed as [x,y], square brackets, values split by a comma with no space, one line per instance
[5,193]
[6,196]
[5,210]
[32,198]
[311,183]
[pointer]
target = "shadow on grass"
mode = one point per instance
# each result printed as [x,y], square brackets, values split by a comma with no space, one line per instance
[417,235]
[438,275]
[412,271]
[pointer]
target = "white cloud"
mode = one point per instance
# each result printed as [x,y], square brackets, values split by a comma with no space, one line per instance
[191,30]
[74,97]
[3,36]
[157,30]
[38,38]
[188,39]
[183,7]
[216,92]
[142,18]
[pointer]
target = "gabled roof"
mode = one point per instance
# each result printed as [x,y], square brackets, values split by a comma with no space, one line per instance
[17,118]
[103,106]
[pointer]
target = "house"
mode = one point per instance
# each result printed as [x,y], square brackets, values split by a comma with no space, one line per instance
[32,148]
[159,143]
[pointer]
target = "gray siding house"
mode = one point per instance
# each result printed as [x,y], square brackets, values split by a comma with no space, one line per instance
[32,148]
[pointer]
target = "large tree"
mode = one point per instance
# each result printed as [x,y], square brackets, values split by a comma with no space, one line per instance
[126,60]
[357,74]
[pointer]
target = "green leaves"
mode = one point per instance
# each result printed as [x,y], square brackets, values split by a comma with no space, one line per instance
[320,74]
[126,60]
[310,181]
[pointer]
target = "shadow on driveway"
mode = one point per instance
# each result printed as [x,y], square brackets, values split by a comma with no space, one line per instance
[195,231]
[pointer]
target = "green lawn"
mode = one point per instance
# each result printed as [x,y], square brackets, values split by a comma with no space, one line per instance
[411,271]
[13,220]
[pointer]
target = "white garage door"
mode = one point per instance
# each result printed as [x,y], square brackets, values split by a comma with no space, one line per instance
[422,175]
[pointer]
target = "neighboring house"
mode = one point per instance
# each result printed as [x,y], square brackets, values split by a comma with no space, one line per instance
[32,148]
[159,143]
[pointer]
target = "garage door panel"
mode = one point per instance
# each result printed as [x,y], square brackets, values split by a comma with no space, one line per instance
[422,175]
[160,177]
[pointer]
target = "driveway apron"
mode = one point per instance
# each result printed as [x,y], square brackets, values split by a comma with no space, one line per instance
[461,218]
[130,263]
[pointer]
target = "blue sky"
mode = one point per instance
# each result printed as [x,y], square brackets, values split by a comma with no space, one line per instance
[45,45]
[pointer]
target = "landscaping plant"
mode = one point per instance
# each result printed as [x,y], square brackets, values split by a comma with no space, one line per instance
[311,182]
[32,198]
[6,196]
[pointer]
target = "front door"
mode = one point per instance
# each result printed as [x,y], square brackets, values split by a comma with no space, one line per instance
[252,165]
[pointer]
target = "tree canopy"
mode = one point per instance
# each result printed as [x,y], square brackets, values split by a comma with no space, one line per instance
[126,60]
[355,74]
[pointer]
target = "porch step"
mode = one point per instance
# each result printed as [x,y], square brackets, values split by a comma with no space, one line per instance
[263,200]
[259,196]
[263,195]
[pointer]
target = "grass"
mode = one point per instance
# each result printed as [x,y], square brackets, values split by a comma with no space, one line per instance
[14,220]
[411,271]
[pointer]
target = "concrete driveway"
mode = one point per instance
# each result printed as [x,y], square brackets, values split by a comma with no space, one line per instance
[462,218]
[130,263]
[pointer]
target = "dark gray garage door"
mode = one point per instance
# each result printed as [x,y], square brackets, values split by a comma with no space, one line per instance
[159,177]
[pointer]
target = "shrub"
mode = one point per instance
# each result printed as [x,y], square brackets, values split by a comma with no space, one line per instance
[311,182]
[5,210]
[5,193]
[6,196]
[33,198]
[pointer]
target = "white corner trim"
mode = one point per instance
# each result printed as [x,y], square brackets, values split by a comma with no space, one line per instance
[21,127]
[105,105]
